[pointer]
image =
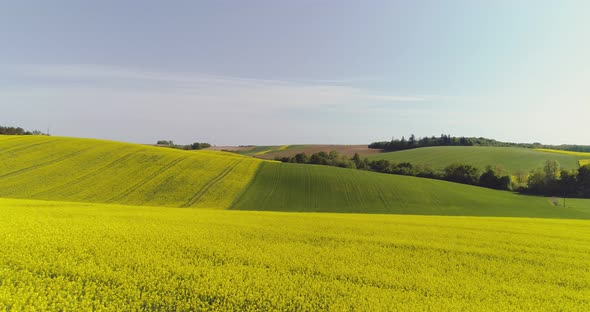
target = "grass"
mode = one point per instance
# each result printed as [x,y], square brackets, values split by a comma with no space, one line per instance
[80,257]
[308,188]
[87,170]
[510,159]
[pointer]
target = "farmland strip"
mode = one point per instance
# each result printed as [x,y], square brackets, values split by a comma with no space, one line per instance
[89,175]
[48,163]
[14,138]
[26,147]
[197,197]
[147,179]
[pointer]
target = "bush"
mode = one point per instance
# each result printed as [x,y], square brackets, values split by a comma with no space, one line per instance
[492,179]
[461,173]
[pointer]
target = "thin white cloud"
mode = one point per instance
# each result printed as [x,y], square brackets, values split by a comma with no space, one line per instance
[390,98]
[221,89]
[99,101]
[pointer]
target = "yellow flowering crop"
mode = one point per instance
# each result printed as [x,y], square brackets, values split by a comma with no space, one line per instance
[86,170]
[563,152]
[80,257]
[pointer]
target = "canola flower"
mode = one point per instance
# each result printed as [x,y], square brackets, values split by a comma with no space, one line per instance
[563,152]
[77,257]
[88,170]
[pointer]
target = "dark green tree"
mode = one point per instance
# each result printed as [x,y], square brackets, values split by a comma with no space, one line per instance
[462,173]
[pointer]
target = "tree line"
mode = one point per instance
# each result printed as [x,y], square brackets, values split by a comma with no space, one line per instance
[550,180]
[18,131]
[447,140]
[443,140]
[188,147]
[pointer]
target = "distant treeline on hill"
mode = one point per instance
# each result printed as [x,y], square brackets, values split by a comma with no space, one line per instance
[572,148]
[18,131]
[550,180]
[194,146]
[448,140]
[443,140]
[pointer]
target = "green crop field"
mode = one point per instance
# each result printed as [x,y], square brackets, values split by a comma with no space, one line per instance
[85,170]
[581,162]
[79,257]
[297,187]
[511,159]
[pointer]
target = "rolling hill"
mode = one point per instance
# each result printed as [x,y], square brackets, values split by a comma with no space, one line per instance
[584,157]
[80,255]
[511,159]
[310,188]
[271,152]
[98,171]
[87,170]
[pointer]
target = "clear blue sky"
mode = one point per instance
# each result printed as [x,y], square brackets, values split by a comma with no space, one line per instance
[286,72]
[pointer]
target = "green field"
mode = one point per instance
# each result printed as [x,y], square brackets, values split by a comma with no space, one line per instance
[511,159]
[79,257]
[86,170]
[297,187]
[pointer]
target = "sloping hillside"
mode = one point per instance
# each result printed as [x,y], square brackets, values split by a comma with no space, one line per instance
[86,170]
[511,159]
[295,187]
[584,158]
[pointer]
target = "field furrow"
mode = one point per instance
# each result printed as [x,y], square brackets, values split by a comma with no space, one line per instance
[87,170]
[89,175]
[147,179]
[199,195]
[43,164]
[21,148]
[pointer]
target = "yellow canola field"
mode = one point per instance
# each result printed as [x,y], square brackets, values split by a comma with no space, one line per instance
[88,170]
[583,154]
[584,162]
[82,257]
